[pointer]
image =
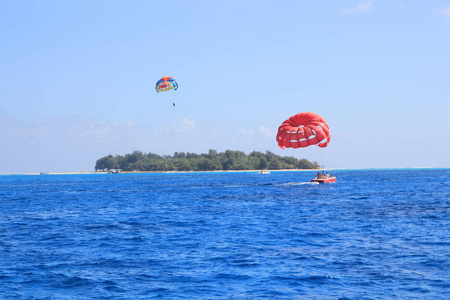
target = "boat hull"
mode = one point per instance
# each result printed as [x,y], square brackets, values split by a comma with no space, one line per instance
[324,180]
[265,171]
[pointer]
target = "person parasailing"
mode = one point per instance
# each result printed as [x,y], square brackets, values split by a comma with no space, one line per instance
[166,84]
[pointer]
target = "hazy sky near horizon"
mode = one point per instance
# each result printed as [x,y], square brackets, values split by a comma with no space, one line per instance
[77,79]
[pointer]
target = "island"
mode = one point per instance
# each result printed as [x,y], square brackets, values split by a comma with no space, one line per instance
[228,160]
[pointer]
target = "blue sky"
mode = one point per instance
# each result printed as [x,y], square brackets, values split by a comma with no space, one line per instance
[77,79]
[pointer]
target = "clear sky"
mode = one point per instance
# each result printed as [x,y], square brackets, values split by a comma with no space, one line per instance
[77,79]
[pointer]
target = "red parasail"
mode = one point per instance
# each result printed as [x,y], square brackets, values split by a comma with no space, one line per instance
[303,130]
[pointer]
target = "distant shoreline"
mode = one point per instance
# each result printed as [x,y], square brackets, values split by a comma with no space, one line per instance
[156,172]
[231,171]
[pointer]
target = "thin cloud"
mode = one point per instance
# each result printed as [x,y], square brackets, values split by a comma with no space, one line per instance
[66,144]
[444,12]
[266,131]
[131,122]
[246,133]
[362,8]
[184,125]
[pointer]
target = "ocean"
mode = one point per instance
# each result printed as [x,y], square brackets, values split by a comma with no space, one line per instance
[374,234]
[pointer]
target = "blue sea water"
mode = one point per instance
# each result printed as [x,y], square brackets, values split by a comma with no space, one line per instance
[374,234]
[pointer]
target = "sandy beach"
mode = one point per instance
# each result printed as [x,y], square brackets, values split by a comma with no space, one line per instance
[141,172]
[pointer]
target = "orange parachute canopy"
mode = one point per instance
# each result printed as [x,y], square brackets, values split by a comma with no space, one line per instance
[303,130]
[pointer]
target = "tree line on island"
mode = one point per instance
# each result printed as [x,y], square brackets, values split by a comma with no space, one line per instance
[211,161]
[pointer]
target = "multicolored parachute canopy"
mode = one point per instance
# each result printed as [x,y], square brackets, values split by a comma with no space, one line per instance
[166,84]
[303,130]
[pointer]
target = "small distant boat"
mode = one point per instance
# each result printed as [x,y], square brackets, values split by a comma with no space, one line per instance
[324,180]
[264,172]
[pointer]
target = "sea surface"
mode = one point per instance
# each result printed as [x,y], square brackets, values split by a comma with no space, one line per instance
[374,234]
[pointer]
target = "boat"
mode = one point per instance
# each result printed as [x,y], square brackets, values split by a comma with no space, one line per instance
[324,180]
[264,172]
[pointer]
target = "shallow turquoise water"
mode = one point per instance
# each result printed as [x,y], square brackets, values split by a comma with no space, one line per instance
[372,235]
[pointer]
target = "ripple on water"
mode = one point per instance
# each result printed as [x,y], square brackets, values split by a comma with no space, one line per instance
[226,236]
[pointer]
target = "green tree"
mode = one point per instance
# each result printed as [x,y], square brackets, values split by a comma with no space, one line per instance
[228,160]
[263,163]
[275,164]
